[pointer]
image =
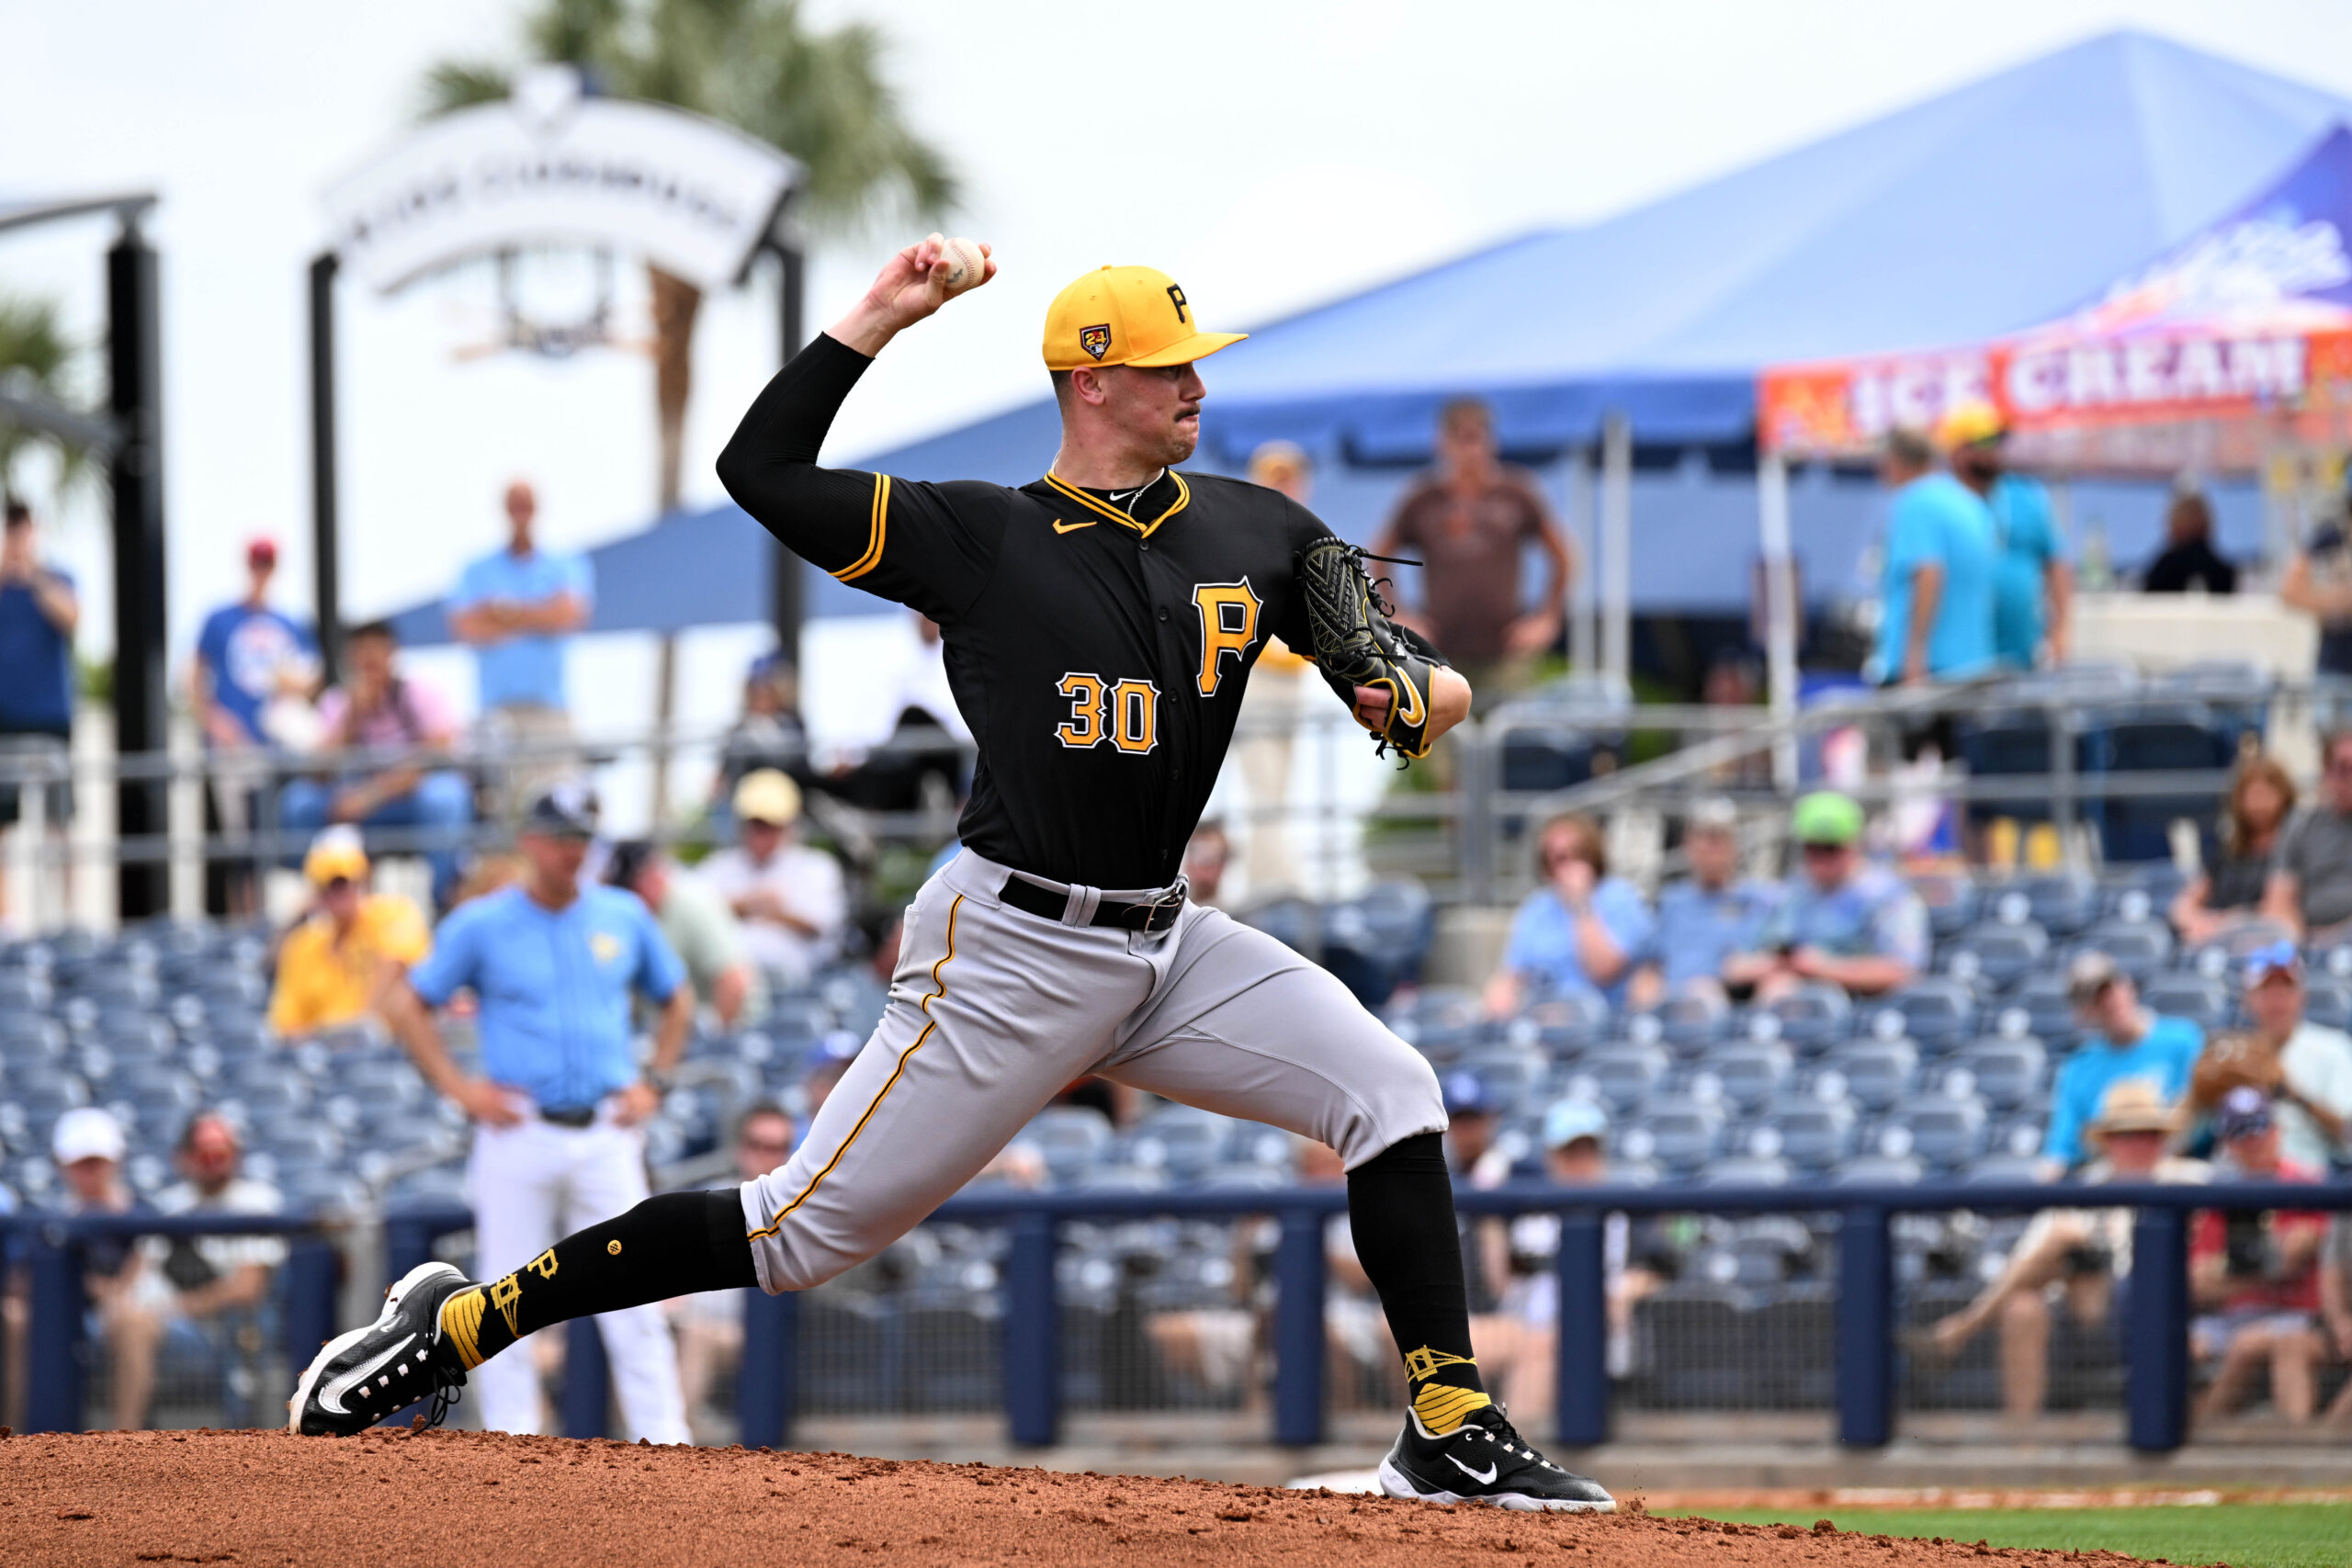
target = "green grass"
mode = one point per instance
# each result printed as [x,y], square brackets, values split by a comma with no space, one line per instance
[2265,1535]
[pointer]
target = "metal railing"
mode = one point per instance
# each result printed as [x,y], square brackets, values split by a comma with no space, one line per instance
[2156,1330]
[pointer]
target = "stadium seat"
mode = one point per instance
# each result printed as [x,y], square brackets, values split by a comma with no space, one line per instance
[1441,1021]
[2328,1002]
[1749,1075]
[1746,1170]
[1180,1140]
[1879,1171]
[1812,1016]
[1680,1133]
[2000,952]
[2002,1170]
[2208,1004]
[1622,1076]
[2048,1014]
[2004,1074]
[1510,1073]
[1561,1023]
[1952,901]
[1875,1073]
[1945,1132]
[1937,1012]
[1691,1020]
[1811,1134]
[2172,737]
[2139,948]
[1070,1138]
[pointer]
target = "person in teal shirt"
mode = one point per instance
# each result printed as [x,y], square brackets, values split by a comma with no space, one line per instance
[2124,1039]
[2032,581]
[1937,595]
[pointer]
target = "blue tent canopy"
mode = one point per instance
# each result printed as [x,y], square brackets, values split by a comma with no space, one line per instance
[1992,207]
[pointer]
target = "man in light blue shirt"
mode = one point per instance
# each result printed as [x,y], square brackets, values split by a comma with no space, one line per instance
[558,1141]
[1705,918]
[2032,581]
[1581,932]
[518,609]
[1937,622]
[2127,1041]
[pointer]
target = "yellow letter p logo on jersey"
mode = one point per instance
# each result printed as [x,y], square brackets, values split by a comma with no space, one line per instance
[1228,626]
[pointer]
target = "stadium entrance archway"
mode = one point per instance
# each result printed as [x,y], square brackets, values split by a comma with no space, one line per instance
[552,169]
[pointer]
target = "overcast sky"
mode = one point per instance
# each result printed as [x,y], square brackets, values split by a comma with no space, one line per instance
[1270,156]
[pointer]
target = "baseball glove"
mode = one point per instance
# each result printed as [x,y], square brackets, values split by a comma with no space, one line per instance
[1357,645]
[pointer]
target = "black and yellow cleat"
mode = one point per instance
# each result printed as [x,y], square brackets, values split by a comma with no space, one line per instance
[1485,1459]
[358,1378]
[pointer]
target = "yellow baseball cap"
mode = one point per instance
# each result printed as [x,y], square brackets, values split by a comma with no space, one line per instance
[336,853]
[1967,424]
[1126,315]
[768,796]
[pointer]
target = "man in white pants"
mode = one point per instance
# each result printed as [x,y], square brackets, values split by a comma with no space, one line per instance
[557,1146]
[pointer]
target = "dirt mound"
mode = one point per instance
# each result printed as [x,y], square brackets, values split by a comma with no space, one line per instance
[452,1499]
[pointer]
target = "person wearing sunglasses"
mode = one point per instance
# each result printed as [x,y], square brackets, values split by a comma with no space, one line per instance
[2304,1067]
[2123,1039]
[2309,890]
[1844,922]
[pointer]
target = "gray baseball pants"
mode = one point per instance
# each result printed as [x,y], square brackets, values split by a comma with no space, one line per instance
[994,1010]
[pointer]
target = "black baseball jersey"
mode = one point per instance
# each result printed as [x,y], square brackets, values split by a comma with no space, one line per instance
[1096,643]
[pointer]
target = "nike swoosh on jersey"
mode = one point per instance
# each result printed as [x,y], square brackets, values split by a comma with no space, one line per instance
[1071,527]
[1122,495]
[1486,1480]
[333,1398]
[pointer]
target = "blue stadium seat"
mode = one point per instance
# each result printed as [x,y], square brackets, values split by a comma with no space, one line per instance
[1936,1011]
[1181,1140]
[2021,1133]
[2002,1170]
[1946,1132]
[1879,1171]
[1691,1020]
[1441,1021]
[1560,1024]
[2209,1004]
[2139,949]
[1119,1179]
[1998,951]
[2049,1013]
[1623,1075]
[1749,1075]
[1071,1138]
[1508,1072]
[1953,902]
[1812,1135]
[2328,1002]
[1876,1073]
[1746,1170]
[2004,1072]
[2174,736]
[1811,1017]
[1680,1133]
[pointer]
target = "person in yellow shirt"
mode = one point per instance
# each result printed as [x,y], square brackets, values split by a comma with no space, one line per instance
[332,967]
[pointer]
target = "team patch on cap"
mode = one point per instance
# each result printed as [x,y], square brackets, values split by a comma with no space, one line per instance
[1096,340]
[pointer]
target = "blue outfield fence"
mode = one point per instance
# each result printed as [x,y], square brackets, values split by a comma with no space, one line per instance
[2156,1330]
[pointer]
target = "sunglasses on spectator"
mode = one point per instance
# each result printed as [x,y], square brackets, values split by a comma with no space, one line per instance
[769,1145]
[1825,849]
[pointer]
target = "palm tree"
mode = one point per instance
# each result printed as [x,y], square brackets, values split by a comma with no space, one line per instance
[758,66]
[37,363]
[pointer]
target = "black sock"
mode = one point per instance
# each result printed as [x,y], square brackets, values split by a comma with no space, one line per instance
[669,1246]
[1400,1209]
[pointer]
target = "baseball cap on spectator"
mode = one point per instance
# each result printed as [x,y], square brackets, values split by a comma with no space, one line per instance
[337,854]
[767,796]
[2243,1112]
[567,811]
[1465,1096]
[1969,423]
[87,1133]
[2271,958]
[1826,817]
[1570,1120]
[2090,972]
[629,858]
[261,550]
[1715,813]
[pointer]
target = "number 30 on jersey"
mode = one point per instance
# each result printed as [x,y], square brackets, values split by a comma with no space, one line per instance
[1126,713]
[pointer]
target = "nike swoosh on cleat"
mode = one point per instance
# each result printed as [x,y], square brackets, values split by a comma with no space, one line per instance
[331,1398]
[1486,1480]
[1071,527]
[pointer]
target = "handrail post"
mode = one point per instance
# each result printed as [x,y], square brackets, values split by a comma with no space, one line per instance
[311,1267]
[54,1350]
[1865,1327]
[587,1380]
[767,1385]
[1033,1322]
[2155,1343]
[1299,1280]
[407,1243]
[1580,1361]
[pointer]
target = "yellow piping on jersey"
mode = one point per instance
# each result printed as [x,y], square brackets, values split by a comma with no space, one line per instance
[876,527]
[938,990]
[1141,530]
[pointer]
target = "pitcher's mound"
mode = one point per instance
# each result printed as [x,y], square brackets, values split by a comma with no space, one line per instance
[453,1499]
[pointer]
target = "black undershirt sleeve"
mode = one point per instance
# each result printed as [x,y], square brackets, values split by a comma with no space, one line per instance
[770,467]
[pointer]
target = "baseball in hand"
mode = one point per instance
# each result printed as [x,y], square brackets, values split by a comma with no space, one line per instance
[966,265]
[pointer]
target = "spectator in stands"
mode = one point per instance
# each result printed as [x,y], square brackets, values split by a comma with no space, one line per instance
[402,732]
[2079,1256]
[518,609]
[2256,1274]
[1936,620]
[2033,583]
[2123,1041]
[2229,892]
[1207,853]
[1843,922]
[205,1290]
[768,734]
[38,614]
[2318,581]
[333,966]
[1576,1133]
[2189,561]
[1580,932]
[2304,1069]
[709,1323]
[1705,917]
[1468,523]
[2310,888]
[789,896]
[88,1146]
[251,661]
[701,929]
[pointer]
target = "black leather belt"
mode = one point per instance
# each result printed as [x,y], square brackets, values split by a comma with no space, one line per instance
[568,1115]
[1156,915]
